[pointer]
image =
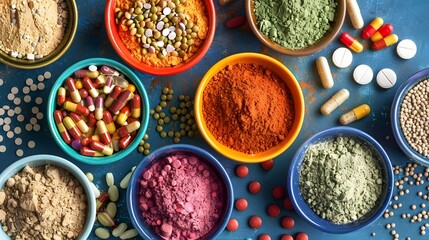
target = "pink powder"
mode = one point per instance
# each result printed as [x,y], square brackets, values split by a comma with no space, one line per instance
[181,197]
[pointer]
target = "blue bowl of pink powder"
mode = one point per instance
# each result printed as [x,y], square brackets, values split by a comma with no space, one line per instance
[180,192]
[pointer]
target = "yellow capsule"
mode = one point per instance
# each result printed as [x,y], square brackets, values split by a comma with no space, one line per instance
[335,101]
[131,88]
[355,114]
[324,72]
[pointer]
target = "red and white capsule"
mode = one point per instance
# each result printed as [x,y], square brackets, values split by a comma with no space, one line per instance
[58,117]
[74,92]
[112,96]
[89,86]
[127,129]
[99,102]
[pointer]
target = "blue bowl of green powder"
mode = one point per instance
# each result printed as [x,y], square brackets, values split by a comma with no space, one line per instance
[340,180]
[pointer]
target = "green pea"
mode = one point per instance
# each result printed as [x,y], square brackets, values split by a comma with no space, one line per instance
[176,140]
[163,104]
[179,111]
[146,137]
[159,128]
[173,109]
[182,1]
[177,2]
[192,113]
[146,145]
[167,119]
[163,97]
[153,9]
[188,128]
[140,17]
[194,126]
[151,112]
[191,133]
[184,46]
[162,115]
[183,119]
[154,17]
[165,90]
[177,134]
[144,51]
[182,105]
[187,98]
[146,152]
[190,42]
[141,142]
[163,134]
[182,126]
[170,133]
[194,35]
[175,20]
[179,9]
[140,149]
[165,20]
[184,111]
[189,25]
[158,108]
[160,55]
[188,103]
[140,30]
[169,97]
[156,116]
[183,132]
[195,28]
[175,117]
[170,16]
[188,116]
[137,10]
[181,53]
[161,122]
[182,97]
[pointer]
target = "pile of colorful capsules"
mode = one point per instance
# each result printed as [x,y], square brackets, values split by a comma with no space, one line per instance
[98,111]
[380,34]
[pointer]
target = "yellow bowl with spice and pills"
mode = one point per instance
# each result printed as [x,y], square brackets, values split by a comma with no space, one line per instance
[165,38]
[307,27]
[48,35]
[249,107]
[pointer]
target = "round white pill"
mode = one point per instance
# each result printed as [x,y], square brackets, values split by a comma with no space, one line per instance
[363,74]
[3,148]
[18,141]
[31,144]
[406,49]
[92,68]
[386,78]
[342,57]
[19,152]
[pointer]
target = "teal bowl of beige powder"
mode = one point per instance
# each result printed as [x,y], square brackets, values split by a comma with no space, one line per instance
[45,197]
[36,33]
[296,28]
[340,180]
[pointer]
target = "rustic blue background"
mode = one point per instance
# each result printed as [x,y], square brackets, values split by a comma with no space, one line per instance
[409,19]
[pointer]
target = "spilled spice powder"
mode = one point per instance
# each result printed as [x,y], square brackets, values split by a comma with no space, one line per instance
[248,108]
[181,197]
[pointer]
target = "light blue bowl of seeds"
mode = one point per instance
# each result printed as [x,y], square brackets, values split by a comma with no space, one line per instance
[340,180]
[409,119]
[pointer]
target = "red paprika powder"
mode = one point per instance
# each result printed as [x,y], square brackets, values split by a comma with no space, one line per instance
[248,108]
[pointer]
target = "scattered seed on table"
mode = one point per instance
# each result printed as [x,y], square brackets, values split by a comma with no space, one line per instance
[254,187]
[6,127]
[19,152]
[110,180]
[26,90]
[288,204]
[39,100]
[121,228]
[232,225]
[287,237]
[36,127]
[241,204]
[2,148]
[288,222]
[302,236]
[267,165]
[40,78]
[10,96]
[27,98]
[264,237]
[20,118]
[17,110]
[10,134]
[242,171]
[102,233]
[273,210]
[1,82]
[10,112]
[255,222]
[1,138]
[33,87]
[89,176]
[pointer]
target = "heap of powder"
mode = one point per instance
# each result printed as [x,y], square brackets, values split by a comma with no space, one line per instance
[32,29]
[44,202]
[414,117]
[248,108]
[181,197]
[294,24]
[341,179]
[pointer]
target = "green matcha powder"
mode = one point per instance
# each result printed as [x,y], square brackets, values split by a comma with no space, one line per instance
[340,179]
[294,24]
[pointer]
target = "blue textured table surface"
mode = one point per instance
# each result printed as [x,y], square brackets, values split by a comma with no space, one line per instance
[410,21]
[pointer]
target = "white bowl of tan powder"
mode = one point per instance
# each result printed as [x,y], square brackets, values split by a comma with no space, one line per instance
[45,197]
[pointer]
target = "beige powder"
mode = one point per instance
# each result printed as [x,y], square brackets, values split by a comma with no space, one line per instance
[44,202]
[31,29]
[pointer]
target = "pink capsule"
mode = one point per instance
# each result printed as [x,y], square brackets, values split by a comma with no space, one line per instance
[99,102]
[108,85]
[89,102]
[108,70]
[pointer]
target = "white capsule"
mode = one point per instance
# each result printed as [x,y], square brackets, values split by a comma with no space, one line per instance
[324,72]
[354,13]
[335,101]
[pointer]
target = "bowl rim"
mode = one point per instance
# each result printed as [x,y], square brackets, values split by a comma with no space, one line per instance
[293,180]
[298,100]
[149,159]
[320,45]
[43,159]
[394,116]
[70,32]
[52,107]
[124,54]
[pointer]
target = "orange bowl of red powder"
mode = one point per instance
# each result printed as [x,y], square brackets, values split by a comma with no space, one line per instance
[127,47]
[249,107]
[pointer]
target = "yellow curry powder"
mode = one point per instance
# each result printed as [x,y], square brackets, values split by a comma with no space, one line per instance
[196,12]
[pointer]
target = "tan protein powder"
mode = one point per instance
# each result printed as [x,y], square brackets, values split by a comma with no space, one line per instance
[44,202]
[31,29]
